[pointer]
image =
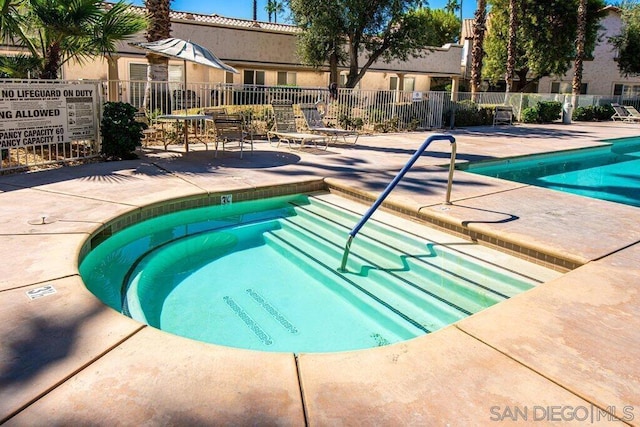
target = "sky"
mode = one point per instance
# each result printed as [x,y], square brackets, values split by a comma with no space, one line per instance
[244,8]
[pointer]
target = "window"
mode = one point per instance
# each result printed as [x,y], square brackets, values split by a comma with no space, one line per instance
[286,78]
[409,84]
[393,83]
[137,83]
[566,87]
[253,77]
[228,78]
[620,89]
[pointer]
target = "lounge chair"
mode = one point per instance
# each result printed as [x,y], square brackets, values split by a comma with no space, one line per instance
[621,113]
[286,130]
[316,124]
[231,128]
[634,115]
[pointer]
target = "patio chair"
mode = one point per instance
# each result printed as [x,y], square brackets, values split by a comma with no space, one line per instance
[316,124]
[286,130]
[621,113]
[154,133]
[634,115]
[230,128]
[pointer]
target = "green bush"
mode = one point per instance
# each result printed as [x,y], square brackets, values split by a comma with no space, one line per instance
[543,112]
[529,115]
[583,114]
[468,113]
[549,111]
[603,112]
[121,133]
[590,113]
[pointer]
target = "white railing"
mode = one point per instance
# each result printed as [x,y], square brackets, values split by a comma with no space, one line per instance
[370,110]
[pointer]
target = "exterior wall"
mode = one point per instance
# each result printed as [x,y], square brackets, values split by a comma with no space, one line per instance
[257,46]
[600,74]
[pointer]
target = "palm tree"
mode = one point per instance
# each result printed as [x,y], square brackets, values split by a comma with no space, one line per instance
[12,19]
[273,8]
[580,42]
[477,52]
[159,28]
[511,46]
[57,31]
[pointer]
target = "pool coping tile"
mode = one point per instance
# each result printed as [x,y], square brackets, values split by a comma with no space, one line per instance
[570,341]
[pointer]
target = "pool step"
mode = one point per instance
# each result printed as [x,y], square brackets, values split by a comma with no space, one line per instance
[477,279]
[288,246]
[475,269]
[415,272]
[405,300]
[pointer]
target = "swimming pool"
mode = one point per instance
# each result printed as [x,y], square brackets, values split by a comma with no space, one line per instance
[610,173]
[264,275]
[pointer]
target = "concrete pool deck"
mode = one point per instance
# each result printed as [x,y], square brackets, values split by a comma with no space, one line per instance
[566,350]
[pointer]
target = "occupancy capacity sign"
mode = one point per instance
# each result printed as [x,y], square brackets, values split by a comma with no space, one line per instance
[37,114]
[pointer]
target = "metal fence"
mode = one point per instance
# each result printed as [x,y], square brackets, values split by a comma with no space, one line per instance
[48,122]
[366,110]
[375,110]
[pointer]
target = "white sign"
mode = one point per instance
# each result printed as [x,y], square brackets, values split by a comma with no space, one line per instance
[417,96]
[40,292]
[37,114]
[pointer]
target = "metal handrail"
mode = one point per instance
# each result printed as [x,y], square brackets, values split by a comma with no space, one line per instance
[395,182]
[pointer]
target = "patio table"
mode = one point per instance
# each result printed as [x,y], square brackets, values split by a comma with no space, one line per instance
[186,118]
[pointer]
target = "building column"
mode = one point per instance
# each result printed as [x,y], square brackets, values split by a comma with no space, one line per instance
[428,84]
[455,86]
[113,77]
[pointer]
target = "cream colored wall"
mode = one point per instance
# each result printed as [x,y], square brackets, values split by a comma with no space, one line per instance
[90,70]
[602,73]
[270,51]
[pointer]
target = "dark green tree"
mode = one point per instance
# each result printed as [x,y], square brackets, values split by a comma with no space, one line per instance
[56,31]
[627,43]
[343,31]
[273,8]
[545,39]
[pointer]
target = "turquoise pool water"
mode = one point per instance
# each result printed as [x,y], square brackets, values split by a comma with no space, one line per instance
[609,173]
[264,275]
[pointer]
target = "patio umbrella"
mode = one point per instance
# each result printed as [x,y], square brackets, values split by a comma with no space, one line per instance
[186,50]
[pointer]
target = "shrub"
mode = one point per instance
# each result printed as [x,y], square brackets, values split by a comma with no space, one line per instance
[549,111]
[590,113]
[121,133]
[543,112]
[603,112]
[583,114]
[468,113]
[529,115]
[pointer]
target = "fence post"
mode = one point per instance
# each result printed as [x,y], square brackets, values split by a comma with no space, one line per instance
[520,108]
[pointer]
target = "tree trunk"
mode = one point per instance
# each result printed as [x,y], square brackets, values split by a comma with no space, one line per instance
[333,68]
[159,28]
[580,42]
[52,63]
[477,52]
[511,47]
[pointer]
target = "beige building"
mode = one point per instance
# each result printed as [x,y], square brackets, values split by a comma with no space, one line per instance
[265,54]
[600,74]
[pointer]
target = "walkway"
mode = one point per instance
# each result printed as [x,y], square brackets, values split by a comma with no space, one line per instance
[564,351]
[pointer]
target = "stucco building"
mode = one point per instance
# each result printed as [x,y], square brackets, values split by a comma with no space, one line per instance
[265,54]
[600,73]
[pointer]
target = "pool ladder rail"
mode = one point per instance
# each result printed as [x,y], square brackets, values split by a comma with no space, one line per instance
[394,182]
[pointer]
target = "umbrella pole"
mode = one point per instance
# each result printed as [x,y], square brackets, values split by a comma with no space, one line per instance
[184,103]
